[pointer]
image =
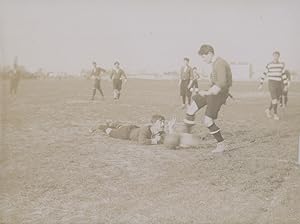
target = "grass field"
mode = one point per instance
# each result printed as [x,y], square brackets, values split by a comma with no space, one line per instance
[54,171]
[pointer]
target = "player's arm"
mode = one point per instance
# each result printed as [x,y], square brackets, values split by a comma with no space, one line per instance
[112,74]
[124,75]
[284,78]
[263,76]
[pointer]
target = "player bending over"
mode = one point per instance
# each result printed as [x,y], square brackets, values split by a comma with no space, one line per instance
[213,98]
[151,134]
[275,72]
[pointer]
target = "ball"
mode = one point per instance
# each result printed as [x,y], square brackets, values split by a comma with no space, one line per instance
[171,141]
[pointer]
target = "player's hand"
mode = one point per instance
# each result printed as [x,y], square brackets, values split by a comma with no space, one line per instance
[260,87]
[125,80]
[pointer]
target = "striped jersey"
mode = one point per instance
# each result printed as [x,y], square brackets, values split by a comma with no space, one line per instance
[276,72]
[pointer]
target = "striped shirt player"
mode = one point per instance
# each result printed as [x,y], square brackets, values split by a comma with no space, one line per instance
[213,98]
[275,72]
[117,75]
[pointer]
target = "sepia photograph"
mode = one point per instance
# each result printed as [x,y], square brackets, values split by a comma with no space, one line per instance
[149,112]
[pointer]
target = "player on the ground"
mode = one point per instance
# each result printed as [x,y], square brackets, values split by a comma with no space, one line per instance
[151,134]
[96,75]
[117,76]
[275,72]
[15,77]
[283,100]
[184,80]
[213,98]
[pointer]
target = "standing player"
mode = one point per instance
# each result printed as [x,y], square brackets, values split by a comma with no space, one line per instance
[117,75]
[185,77]
[213,98]
[276,75]
[284,96]
[193,85]
[14,79]
[96,75]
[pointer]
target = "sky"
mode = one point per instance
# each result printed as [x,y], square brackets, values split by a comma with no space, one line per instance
[146,36]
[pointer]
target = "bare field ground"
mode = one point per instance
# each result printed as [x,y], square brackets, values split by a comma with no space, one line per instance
[54,171]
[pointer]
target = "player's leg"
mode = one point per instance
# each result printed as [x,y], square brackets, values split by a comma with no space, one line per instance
[119,89]
[197,103]
[214,104]
[285,98]
[94,90]
[182,93]
[98,87]
[274,98]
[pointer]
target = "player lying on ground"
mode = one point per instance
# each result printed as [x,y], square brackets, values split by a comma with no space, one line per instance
[213,98]
[275,72]
[151,134]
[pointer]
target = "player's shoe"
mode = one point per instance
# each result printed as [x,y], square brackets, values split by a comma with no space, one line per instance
[268,113]
[221,147]
[276,118]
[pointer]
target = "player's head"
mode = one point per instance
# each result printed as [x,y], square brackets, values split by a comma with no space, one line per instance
[207,53]
[276,55]
[186,60]
[158,123]
[94,64]
[194,69]
[117,64]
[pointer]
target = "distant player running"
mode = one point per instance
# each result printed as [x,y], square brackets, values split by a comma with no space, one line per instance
[96,75]
[184,81]
[151,134]
[15,77]
[117,76]
[213,98]
[275,72]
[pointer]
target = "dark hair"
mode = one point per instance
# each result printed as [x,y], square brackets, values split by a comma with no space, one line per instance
[194,68]
[157,117]
[186,59]
[205,49]
[276,52]
[117,63]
